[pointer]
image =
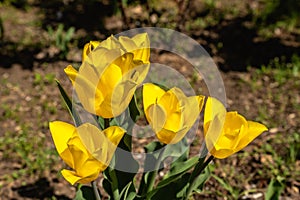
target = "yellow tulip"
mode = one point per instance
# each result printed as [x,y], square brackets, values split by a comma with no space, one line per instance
[110,74]
[85,149]
[227,132]
[170,113]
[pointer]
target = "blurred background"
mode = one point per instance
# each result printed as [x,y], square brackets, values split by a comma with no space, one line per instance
[255,44]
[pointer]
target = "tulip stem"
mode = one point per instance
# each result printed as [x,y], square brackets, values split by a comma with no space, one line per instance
[197,171]
[112,172]
[96,191]
[106,123]
[153,174]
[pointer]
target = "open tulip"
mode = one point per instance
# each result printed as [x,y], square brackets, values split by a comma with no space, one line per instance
[110,74]
[85,149]
[170,113]
[227,132]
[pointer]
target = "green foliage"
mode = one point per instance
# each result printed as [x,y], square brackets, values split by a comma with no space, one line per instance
[61,38]
[234,192]
[29,150]
[17,3]
[84,193]
[277,14]
[275,188]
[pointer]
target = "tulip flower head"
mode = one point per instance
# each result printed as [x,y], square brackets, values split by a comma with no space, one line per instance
[85,149]
[227,132]
[170,113]
[110,73]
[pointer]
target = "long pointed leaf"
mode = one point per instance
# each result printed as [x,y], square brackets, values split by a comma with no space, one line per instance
[69,104]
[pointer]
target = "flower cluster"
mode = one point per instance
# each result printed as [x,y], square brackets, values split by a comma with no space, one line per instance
[105,85]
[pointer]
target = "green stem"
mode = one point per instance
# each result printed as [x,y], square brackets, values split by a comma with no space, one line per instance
[96,191]
[112,172]
[152,175]
[106,123]
[114,185]
[197,171]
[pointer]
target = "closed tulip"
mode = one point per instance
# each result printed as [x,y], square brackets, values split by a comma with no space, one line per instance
[110,74]
[170,113]
[85,149]
[227,132]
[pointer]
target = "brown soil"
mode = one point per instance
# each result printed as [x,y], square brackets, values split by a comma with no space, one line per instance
[37,102]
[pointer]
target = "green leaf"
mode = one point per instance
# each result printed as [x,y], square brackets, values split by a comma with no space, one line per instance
[171,191]
[110,183]
[69,104]
[275,188]
[85,193]
[175,150]
[101,122]
[153,146]
[200,180]
[128,192]
[153,156]
[133,109]
[179,168]
[179,179]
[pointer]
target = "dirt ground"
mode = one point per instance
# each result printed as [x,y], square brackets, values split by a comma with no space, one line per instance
[29,97]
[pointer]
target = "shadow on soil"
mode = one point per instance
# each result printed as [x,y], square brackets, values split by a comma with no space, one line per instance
[240,48]
[41,189]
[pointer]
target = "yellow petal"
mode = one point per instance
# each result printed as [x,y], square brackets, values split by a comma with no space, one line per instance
[88,93]
[213,132]
[222,153]
[113,135]
[138,73]
[170,100]
[101,145]
[71,72]
[151,94]
[99,59]
[174,121]
[89,47]
[214,119]
[127,43]
[108,80]
[254,129]
[139,45]
[80,154]
[166,136]
[91,137]
[110,43]
[179,135]
[156,116]
[191,108]
[74,178]
[61,133]
[200,100]
[235,127]
[214,108]
[121,97]
[125,62]
[118,100]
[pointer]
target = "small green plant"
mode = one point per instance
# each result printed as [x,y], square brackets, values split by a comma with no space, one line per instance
[233,191]
[275,188]
[24,146]
[41,80]
[61,38]
[283,14]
